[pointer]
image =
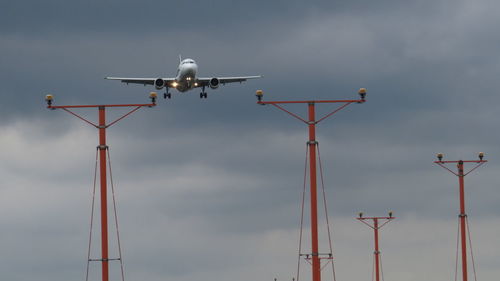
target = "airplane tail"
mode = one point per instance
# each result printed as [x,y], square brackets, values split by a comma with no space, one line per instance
[180,58]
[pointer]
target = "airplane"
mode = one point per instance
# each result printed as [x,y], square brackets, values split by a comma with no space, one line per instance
[185,79]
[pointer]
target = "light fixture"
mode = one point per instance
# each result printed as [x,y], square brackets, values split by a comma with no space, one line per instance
[440,156]
[49,98]
[153,96]
[259,94]
[362,93]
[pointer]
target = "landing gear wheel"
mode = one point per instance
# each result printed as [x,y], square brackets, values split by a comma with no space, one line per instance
[167,95]
[201,95]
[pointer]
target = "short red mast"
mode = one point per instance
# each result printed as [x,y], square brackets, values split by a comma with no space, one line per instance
[377,223]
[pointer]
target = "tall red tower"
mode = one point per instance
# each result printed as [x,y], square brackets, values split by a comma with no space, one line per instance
[101,126]
[460,173]
[312,145]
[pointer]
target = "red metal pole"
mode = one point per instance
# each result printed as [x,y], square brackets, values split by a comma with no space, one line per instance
[461,175]
[311,147]
[377,252]
[316,266]
[102,165]
[104,197]
[462,215]
[376,227]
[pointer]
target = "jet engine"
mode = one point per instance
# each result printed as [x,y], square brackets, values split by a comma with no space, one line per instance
[214,83]
[159,83]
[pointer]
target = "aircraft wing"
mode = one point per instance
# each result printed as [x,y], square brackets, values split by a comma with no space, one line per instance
[204,81]
[143,81]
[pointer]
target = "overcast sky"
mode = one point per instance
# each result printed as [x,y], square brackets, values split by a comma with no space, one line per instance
[210,189]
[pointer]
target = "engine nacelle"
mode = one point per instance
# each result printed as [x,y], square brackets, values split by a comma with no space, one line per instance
[159,83]
[214,83]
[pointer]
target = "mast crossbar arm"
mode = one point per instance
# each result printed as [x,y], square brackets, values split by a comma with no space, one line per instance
[103,105]
[466,161]
[371,218]
[479,163]
[311,101]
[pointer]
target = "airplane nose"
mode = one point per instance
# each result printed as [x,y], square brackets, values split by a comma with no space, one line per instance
[191,69]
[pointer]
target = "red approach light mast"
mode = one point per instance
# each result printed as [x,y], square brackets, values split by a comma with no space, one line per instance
[312,146]
[102,126]
[378,223]
[462,215]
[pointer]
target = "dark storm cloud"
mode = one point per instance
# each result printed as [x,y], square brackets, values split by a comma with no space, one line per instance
[152,17]
[158,17]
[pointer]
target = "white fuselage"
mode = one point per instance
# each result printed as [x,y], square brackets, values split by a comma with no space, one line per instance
[186,75]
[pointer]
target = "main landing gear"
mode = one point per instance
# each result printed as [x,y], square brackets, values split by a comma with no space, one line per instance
[203,94]
[167,94]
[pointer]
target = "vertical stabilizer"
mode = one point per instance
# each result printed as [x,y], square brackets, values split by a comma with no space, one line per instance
[180,58]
